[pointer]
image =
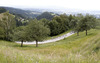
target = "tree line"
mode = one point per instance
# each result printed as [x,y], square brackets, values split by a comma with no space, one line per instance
[38,30]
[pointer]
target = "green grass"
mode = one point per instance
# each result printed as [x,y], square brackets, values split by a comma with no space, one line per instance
[74,49]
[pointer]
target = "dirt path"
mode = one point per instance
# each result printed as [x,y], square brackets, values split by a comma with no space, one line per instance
[51,40]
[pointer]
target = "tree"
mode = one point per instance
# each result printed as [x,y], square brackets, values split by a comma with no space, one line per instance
[98,24]
[88,22]
[64,22]
[37,31]
[75,23]
[70,17]
[2,33]
[45,21]
[54,27]
[61,24]
[77,28]
[19,34]
[8,23]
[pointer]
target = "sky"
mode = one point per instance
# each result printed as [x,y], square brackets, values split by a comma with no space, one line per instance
[72,4]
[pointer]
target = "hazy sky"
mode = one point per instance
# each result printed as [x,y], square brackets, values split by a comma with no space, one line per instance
[73,4]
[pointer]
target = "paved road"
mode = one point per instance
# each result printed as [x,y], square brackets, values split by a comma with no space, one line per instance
[51,40]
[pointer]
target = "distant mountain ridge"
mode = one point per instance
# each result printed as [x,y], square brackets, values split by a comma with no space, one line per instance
[22,13]
[68,11]
[34,12]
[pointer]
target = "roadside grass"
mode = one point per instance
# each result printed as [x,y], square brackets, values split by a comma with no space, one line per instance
[74,49]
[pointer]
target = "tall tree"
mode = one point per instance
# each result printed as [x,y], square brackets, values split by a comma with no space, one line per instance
[62,23]
[88,22]
[20,34]
[75,23]
[8,23]
[54,27]
[37,31]
[2,35]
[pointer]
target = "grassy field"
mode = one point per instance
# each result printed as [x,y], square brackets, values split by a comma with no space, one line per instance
[74,49]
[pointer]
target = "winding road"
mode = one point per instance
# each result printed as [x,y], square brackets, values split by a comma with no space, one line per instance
[51,40]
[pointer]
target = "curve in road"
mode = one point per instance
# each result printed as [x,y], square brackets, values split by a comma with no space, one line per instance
[51,40]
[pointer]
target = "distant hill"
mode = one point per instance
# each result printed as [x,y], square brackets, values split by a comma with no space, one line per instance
[2,10]
[47,15]
[22,13]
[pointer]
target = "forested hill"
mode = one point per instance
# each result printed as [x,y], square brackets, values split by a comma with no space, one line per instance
[47,15]
[22,13]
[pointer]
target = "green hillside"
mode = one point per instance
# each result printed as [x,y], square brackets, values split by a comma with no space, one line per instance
[74,49]
[46,15]
[22,13]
